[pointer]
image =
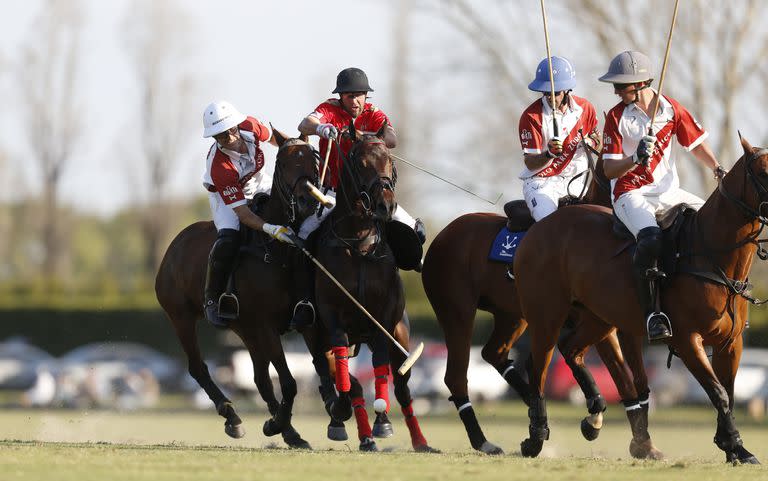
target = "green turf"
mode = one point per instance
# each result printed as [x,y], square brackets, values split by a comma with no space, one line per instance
[84,446]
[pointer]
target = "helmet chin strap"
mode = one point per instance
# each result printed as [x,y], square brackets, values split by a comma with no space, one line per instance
[645,86]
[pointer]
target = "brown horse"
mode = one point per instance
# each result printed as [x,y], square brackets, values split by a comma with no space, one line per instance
[459,280]
[353,247]
[264,284]
[573,258]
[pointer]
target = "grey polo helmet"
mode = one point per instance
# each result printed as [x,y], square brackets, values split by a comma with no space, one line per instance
[629,67]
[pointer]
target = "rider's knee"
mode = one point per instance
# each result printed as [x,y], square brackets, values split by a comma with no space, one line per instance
[649,245]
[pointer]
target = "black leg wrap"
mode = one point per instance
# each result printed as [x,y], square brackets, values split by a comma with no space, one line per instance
[467,415]
[595,402]
[537,412]
[638,419]
[515,380]
[727,436]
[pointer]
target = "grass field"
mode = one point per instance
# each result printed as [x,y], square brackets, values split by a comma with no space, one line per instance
[84,446]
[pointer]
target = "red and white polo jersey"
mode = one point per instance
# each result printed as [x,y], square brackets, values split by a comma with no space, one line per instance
[625,125]
[536,129]
[331,112]
[233,175]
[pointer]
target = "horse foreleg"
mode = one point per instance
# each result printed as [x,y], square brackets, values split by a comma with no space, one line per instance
[637,407]
[402,392]
[727,436]
[725,363]
[341,408]
[187,334]
[364,432]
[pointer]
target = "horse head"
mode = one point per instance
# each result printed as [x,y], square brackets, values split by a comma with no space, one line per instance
[296,171]
[746,185]
[369,173]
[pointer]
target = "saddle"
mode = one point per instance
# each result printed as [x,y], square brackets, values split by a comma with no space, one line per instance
[519,218]
[671,221]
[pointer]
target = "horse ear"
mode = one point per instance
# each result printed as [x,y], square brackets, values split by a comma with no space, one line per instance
[352,131]
[745,144]
[279,136]
[304,137]
[380,133]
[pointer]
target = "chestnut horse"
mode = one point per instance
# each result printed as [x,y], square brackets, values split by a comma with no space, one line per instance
[264,289]
[352,246]
[572,258]
[459,280]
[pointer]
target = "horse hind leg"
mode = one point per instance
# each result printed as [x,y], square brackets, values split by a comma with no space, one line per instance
[456,317]
[636,401]
[574,346]
[186,331]
[544,321]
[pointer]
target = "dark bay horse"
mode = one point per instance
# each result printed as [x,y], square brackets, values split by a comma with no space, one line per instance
[264,291]
[573,258]
[353,247]
[459,279]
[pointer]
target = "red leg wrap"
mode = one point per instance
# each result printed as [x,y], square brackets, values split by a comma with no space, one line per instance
[341,356]
[417,438]
[382,386]
[361,416]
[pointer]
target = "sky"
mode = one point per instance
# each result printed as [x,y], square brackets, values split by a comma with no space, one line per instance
[274,60]
[277,60]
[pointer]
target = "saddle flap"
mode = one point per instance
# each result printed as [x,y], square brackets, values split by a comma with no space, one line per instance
[405,244]
[518,216]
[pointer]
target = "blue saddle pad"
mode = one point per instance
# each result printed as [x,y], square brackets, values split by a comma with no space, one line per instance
[505,245]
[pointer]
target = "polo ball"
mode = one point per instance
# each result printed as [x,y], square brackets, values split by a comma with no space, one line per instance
[379,405]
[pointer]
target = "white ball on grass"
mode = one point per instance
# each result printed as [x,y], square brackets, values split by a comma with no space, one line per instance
[379,405]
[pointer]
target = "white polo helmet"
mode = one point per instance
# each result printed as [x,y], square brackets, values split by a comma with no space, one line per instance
[220,116]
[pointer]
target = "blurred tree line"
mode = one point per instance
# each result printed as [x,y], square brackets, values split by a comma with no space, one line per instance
[456,112]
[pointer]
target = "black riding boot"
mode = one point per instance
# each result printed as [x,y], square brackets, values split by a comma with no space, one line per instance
[220,261]
[304,283]
[647,277]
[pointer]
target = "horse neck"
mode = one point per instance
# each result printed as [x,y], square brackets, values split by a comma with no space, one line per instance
[722,224]
[347,217]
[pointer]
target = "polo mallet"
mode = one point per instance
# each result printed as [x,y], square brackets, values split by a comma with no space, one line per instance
[446,180]
[551,76]
[663,68]
[411,358]
[325,164]
[318,194]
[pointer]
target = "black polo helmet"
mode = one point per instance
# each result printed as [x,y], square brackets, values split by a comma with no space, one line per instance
[352,80]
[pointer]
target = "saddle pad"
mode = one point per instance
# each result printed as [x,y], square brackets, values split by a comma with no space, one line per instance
[505,245]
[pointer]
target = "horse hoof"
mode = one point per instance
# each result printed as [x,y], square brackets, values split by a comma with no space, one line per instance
[425,448]
[337,432]
[645,450]
[589,432]
[530,448]
[271,427]
[744,457]
[382,430]
[236,431]
[368,445]
[490,448]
